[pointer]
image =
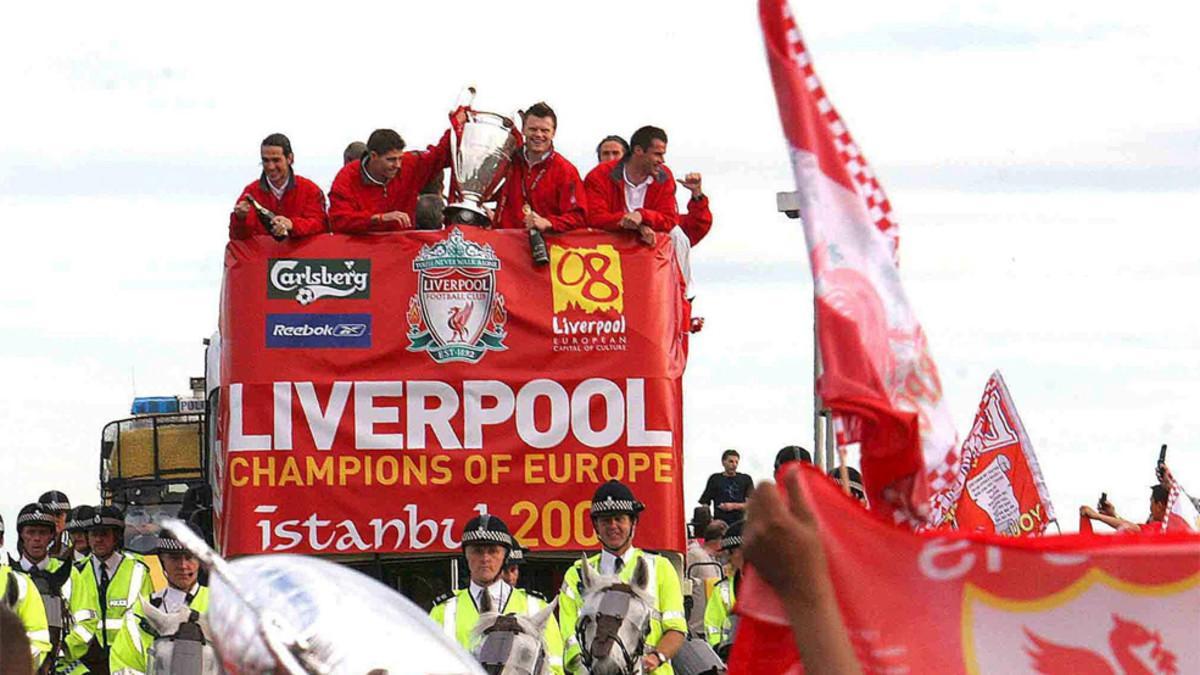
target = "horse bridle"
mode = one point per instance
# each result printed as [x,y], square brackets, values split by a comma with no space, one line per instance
[609,618]
[506,624]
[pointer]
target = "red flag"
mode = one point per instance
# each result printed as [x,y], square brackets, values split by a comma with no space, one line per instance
[1000,489]
[951,602]
[877,373]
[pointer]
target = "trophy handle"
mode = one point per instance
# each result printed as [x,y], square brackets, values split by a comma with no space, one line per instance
[466,97]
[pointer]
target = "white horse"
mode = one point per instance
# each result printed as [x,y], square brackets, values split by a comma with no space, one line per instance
[511,644]
[614,620]
[182,646]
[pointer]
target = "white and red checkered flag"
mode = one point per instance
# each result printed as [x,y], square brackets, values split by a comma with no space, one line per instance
[1183,511]
[876,369]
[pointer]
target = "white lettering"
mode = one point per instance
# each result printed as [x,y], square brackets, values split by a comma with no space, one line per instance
[639,436]
[475,415]
[560,404]
[415,525]
[265,524]
[282,396]
[581,413]
[313,524]
[350,537]
[366,415]
[238,440]
[483,403]
[323,423]
[437,418]
[942,570]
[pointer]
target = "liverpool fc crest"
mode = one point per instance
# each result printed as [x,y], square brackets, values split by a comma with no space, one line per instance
[456,315]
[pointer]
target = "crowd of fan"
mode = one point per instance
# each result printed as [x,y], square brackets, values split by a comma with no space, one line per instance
[714,555]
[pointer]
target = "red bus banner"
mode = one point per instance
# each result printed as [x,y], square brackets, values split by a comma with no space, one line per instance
[379,391]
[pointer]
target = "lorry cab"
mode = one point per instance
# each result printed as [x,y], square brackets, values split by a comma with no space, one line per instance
[153,465]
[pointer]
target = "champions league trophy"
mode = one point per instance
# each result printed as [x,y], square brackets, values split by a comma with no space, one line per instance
[481,149]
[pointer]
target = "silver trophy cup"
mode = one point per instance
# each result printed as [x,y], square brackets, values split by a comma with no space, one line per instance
[479,157]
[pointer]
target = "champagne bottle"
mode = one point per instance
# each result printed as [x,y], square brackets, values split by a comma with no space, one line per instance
[537,243]
[265,216]
[537,246]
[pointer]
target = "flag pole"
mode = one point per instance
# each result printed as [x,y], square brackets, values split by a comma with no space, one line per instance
[788,203]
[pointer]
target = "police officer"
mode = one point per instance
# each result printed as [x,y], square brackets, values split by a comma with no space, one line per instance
[486,545]
[104,586]
[56,503]
[37,529]
[77,527]
[182,568]
[18,593]
[718,614]
[511,574]
[614,515]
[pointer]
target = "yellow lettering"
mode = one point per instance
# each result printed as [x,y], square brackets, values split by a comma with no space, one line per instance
[415,466]
[638,462]
[319,472]
[264,473]
[586,466]
[348,465]
[534,469]
[664,467]
[612,466]
[442,473]
[387,470]
[475,469]
[563,477]
[291,473]
[500,466]
[235,464]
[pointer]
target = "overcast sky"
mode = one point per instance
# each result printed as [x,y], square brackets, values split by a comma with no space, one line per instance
[1042,161]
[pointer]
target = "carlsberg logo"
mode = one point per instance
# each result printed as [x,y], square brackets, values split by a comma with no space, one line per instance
[309,279]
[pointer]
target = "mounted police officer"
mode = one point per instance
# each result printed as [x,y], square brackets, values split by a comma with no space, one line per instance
[104,586]
[130,651]
[18,592]
[718,614]
[37,530]
[614,515]
[77,526]
[486,545]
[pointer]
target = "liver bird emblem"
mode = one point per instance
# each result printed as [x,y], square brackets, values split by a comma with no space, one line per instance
[459,316]
[1138,651]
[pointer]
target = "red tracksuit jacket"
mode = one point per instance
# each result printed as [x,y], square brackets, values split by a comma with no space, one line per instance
[551,188]
[697,221]
[605,186]
[353,199]
[302,202]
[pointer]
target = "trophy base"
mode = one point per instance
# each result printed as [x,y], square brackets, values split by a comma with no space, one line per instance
[466,213]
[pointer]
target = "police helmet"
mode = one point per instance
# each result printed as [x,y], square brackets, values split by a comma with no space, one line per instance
[515,557]
[107,516]
[35,514]
[733,537]
[614,498]
[169,543]
[55,502]
[80,518]
[487,529]
[856,484]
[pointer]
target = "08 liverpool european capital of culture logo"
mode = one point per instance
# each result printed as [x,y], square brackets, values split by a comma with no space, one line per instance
[456,314]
